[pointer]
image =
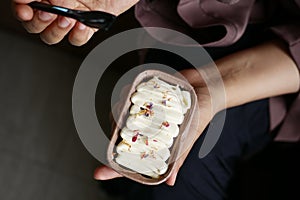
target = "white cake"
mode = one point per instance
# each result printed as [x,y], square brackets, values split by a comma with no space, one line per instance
[157,110]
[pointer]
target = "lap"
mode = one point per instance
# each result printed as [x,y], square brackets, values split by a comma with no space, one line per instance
[245,131]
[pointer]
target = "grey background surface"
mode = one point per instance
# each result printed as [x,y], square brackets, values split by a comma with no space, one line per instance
[41,155]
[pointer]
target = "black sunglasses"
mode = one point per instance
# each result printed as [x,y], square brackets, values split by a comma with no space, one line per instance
[94,19]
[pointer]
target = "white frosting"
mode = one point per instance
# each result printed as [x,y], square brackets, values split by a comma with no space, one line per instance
[158,108]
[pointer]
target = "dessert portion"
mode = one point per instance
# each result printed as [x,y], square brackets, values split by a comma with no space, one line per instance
[157,110]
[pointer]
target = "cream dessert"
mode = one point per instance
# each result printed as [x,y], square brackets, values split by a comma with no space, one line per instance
[157,110]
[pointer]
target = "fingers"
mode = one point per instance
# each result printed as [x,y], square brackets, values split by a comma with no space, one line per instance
[105,173]
[33,21]
[23,12]
[172,179]
[52,28]
[57,30]
[80,34]
[23,1]
[39,22]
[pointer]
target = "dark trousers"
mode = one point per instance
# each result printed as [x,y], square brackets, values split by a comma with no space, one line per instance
[213,177]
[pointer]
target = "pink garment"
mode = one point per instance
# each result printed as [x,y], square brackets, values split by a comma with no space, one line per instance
[196,16]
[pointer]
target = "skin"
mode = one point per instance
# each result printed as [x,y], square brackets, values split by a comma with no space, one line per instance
[259,72]
[53,28]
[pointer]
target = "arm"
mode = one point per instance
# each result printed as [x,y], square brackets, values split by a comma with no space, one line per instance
[260,72]
[263,71]
[53,28]
[257,73]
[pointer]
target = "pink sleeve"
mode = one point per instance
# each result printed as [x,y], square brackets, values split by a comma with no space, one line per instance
[287,115]
[290,33]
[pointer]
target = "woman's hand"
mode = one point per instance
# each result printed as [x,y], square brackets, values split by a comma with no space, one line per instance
[204,99]
[260,72]
[53,28]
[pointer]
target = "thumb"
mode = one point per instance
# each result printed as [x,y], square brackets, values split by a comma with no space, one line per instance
[171,181]
[105,173]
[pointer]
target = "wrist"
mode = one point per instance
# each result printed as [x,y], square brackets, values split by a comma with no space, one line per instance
[209,88]
[260,72]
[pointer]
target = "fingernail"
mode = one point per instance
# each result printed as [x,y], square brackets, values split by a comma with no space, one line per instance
[81,26]
[45,16]
[63,22]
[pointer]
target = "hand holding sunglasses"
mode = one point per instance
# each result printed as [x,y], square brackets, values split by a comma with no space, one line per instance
[77,19]
[93,19]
